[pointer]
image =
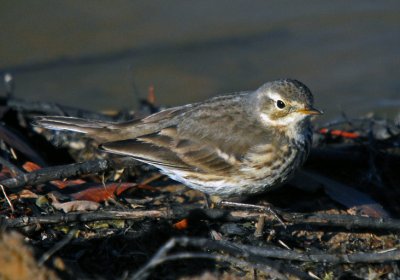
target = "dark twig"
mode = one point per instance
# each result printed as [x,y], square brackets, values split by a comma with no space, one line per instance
[6,197]
[350,222]
[135,90]
[57,172]
[56,247]
[372,155]
[279,253]
[63,171]
[255,207]
[298,220]
[83,217]
[270,267]
[144,273]
[260,226]
[259,255]
[18,142]
[14,169]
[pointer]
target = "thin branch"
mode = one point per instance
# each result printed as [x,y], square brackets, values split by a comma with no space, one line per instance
[248,251]
[19,143]
[83,217]
[6,197]
[56,247]
[144,273]
[350,222]
[252,206]
[14,169]
[255,255]
[270,267]
[293,220]
[63,171]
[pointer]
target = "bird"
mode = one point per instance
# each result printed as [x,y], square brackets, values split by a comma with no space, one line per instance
[234,145]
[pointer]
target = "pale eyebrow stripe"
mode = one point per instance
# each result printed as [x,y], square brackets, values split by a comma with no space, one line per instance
[274,95]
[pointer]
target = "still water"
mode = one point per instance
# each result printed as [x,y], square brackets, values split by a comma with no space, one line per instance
[101,54]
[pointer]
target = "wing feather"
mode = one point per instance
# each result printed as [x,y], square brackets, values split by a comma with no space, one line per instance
[162,150]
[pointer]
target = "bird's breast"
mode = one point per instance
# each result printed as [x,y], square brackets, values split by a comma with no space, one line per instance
[270,165]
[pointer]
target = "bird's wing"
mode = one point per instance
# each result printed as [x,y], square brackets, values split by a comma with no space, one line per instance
[167,149]
[213,139]
[167,114]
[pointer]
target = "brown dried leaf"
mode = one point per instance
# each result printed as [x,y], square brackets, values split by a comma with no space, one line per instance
[64,184]
[76,205]
[23,194]
[30,166]
[100,193]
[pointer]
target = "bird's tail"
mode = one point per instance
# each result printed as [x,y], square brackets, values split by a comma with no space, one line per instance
[100,130]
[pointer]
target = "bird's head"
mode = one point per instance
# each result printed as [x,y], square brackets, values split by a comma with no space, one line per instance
[283,103]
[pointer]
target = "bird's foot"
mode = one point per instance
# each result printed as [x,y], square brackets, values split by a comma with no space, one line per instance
[266,208]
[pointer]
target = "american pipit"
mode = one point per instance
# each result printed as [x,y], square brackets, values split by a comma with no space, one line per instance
[232,145]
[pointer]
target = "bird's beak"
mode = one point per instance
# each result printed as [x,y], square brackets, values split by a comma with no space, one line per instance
[310,111]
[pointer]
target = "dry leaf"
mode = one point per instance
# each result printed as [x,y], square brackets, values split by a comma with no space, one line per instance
[63,184]
[76,205]
[23,194]
[30,166]
[100,193]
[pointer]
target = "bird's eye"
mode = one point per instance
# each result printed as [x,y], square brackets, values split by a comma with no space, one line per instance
[280,104]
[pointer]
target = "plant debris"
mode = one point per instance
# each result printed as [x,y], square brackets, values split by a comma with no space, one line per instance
[85,214]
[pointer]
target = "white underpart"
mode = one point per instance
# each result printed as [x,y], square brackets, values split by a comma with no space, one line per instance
[234,184]
[288,120]
[220,187]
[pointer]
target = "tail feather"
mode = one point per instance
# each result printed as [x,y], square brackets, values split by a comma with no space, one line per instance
[95,129]
[103,131]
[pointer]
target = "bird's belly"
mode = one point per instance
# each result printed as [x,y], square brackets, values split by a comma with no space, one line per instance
[242,183]
[250,178]
[223,186]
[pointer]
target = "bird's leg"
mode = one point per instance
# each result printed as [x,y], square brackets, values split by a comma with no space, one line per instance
[211,201]
[252,206]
